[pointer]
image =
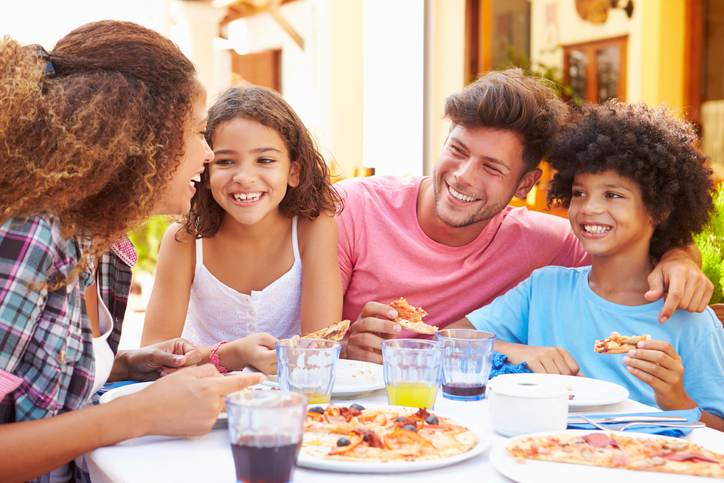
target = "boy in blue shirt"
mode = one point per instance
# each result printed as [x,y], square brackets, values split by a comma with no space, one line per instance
[635,186]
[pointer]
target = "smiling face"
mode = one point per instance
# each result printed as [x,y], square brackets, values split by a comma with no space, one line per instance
[478,173]
[251,170]
[608,215]
[176,198]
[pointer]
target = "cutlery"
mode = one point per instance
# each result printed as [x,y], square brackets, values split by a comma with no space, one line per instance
[638,424]
[579,418]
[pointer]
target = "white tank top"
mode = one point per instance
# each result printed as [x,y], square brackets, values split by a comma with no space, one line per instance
[218,312]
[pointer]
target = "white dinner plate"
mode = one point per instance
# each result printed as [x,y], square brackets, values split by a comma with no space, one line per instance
[484,440]
[583,391]
[525,471]
[351,378]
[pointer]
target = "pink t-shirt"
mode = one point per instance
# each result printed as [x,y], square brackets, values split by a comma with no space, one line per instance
[384,254]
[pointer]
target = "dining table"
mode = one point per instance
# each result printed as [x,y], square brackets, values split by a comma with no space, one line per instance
[208,458]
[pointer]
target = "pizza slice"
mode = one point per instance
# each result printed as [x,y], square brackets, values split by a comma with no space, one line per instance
[618,344]
[410,317]
[334,332]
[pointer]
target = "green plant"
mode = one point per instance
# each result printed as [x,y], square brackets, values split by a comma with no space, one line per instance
[553,74]
[147,239]
[711,245]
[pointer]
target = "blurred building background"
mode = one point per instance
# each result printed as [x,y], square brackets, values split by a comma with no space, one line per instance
[369,77]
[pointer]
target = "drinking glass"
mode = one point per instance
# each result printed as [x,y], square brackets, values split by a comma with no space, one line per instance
[307,366]
[466,359]
[265,432]
[412,371]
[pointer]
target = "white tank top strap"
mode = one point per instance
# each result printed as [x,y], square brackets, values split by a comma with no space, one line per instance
[295,240]
[199,252]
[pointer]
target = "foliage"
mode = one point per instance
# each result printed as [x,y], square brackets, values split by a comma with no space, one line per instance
[147,239]
[551,73]
[711,245]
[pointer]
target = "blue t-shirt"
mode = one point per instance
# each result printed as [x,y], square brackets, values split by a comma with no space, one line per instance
[555,306]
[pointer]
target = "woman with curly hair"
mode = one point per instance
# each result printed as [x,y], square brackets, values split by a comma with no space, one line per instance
[266,205]
[635,186]
[95,136]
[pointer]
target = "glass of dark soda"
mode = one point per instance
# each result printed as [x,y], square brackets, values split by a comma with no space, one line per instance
[265,432]
[466,361]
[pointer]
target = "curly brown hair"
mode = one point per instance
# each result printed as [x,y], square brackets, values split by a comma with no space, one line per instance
[314,194]
[651,147]
[512,101]
[92,132]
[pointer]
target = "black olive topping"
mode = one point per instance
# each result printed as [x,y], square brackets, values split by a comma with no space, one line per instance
[343,441]
[410,427]
[432,419]
[316,409]
[356,406]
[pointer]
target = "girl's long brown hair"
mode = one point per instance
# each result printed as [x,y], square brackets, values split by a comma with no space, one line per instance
[314,194]
[92,132]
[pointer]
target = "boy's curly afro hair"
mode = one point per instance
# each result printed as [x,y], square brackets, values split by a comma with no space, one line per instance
[649,146]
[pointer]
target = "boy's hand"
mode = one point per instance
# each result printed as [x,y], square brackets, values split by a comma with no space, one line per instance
[545,360]
[657,364]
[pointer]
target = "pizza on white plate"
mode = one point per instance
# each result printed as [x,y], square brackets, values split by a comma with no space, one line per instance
[616,450]
[354,433]
[618,344]
[410,317]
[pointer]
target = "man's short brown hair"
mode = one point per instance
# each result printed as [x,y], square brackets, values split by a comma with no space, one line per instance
[510,100]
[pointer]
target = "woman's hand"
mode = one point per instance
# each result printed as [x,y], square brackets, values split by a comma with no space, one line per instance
[657,364]
[153,361]
[187,402]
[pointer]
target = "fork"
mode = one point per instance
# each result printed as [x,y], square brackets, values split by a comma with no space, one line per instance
[624,427]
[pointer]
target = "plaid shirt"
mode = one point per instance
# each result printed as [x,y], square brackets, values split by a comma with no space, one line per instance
[45,337]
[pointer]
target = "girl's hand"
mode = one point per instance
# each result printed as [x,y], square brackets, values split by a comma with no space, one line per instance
[257,350]
[187,402]
[657,364]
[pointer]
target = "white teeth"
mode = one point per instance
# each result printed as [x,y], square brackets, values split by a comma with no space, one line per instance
[197,178]
[247,196]
[459,196]
[597,229]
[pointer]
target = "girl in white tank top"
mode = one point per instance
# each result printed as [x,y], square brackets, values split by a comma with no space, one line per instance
[256,259]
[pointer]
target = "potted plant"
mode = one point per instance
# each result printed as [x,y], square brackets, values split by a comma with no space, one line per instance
[711,245]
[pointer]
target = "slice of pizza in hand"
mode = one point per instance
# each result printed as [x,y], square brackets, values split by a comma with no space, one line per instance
[618,344]
[334,332]
[410,317]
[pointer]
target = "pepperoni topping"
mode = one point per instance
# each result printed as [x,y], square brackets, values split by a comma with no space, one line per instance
[687,456]
[598,440]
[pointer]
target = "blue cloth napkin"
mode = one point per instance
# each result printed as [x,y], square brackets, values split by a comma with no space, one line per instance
[691,415]
[500,365]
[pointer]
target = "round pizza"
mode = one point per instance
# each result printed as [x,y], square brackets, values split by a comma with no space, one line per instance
[354,433]
[615,450]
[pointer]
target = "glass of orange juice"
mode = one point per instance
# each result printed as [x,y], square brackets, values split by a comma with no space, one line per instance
[307,366]
[412,371]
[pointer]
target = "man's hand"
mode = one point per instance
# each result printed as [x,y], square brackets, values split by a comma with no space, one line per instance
[374,324]
[679,276]
[150,362]
[657,364]
[545,360]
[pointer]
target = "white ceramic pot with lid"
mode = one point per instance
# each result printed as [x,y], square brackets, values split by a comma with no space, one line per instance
[523,403]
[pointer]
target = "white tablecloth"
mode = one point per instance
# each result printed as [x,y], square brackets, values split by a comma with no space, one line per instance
[208,458]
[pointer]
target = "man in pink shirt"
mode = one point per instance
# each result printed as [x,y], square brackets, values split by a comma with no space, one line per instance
[450,243]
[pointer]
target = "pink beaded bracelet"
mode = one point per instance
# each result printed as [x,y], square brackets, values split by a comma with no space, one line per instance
[214,357]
